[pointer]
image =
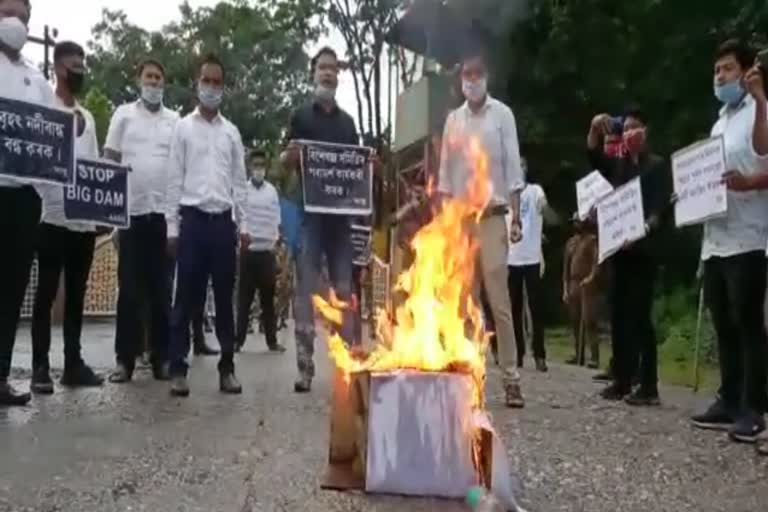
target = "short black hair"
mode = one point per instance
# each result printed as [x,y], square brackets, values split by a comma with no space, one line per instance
[634,111]
[257,153]
[214,60]
[743,52]
[67,49]
[325,50]
[150,61]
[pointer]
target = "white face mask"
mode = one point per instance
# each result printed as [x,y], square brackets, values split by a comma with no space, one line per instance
[258,175]
[474,91]
[13,33]
[151,94]
[325,93]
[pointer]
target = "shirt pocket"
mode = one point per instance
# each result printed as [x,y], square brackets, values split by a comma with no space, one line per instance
[163,134]
[135,137]
[223,145]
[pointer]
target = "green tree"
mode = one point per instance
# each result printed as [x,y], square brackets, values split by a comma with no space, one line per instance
[100,107]
[260,45]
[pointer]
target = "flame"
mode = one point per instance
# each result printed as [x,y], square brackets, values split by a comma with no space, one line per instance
[439,326]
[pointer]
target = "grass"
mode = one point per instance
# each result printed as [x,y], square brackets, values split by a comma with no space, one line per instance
[673,371]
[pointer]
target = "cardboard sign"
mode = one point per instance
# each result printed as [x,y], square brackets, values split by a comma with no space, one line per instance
[37,144]
[336,178]
[589,190]
[697,173]
[620,219]
[361,244]
[99,194]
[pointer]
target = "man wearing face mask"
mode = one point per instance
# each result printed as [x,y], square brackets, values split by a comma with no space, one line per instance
[207,188]
[322,120]
[733,248]
[493,123]
[140,136]
[635,267]
[64,245]
[20,206]
[258,265]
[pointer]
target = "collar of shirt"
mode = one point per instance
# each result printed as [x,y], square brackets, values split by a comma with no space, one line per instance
[317,106]
[483,109]
[727,110]
[218,118]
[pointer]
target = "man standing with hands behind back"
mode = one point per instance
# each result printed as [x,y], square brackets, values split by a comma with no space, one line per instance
[206,184]
[494,124]
[140,136]
[20,206]
[321,234]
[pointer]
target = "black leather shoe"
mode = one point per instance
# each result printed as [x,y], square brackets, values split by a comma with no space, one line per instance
[228,384]
[179,386]
[81,376]
[11,397]
[277,348]
[121,374]
[303,385]
[541,365]
[41,381]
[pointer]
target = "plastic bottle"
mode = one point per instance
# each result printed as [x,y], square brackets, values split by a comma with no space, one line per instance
[480,500]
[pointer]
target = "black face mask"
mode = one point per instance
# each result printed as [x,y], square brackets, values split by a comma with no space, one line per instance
[75,81]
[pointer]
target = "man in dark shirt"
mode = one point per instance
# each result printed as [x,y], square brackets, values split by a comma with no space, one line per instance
[321,120]
[635,266]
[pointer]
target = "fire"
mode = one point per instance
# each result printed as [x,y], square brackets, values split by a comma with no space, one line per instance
[439,326]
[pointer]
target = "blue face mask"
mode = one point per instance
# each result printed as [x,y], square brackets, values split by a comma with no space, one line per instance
[730,93]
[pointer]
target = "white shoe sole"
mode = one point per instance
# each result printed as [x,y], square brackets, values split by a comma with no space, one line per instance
[718,427]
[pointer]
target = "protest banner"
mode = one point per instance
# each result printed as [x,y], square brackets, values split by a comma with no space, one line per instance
[620,219]
[697,174]
[361,244]
[99,194]
[589,190]
[336,178]
[37,144]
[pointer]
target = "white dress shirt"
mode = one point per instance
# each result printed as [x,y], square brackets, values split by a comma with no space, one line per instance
[21,81]
[206,169]
[745,226]
[86,146]
[528,250]
[143,138]
[495,127]
[262,216]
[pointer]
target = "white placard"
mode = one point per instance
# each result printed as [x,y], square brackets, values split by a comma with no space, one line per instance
[589,190]
[697,173]
[620,218]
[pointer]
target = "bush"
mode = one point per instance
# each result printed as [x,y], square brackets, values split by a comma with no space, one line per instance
[675,317]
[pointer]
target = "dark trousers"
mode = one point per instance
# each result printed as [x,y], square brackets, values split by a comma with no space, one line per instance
[357,291]
[142,276]
[734,288]
[206,248]
[198,319]
[19,216]
[528,278]
[258,271]
[60,249]
[633,336]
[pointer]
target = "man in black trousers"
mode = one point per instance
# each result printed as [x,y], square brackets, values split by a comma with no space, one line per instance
[635,266]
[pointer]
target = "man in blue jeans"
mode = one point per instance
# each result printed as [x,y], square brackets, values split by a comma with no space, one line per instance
[322,235]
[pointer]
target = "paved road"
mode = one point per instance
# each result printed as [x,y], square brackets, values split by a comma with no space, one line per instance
[134,448]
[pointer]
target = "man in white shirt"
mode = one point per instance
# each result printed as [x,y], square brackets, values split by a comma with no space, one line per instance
[493,124]
[64,245]
[206,191]
[525,265]
[20,206]
[733,249]
[139,136]
[258,265]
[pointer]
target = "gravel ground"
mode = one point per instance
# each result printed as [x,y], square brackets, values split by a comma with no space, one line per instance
[133,448]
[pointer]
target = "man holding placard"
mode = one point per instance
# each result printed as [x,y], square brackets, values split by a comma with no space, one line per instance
[64,245]
[20,206]
[627,220]
[733,249]
[325,230]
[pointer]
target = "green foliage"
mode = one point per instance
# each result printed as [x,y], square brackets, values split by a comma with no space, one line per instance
[260,45]
[101,109]
[676,319]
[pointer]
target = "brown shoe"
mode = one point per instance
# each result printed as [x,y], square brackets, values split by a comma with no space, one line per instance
[513,395]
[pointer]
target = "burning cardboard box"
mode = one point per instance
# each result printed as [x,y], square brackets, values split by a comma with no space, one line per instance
[408,417]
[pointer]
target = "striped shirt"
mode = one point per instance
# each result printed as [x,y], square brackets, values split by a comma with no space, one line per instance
[262,216]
